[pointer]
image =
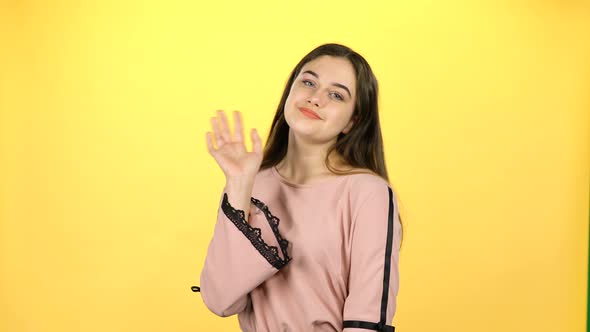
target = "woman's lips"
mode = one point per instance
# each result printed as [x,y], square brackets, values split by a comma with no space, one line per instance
[309,113]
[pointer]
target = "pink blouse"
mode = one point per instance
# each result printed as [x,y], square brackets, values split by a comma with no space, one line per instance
[317,257]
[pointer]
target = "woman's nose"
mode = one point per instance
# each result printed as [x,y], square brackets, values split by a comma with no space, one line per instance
[315,98]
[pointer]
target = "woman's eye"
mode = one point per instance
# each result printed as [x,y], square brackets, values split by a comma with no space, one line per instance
[337,95]
[310,84]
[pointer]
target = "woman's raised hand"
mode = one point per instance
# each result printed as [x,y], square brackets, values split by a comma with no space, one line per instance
[231,154]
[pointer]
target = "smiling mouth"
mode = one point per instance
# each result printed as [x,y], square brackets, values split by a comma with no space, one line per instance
[309,114]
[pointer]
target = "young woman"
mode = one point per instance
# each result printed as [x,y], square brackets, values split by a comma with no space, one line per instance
[308,231]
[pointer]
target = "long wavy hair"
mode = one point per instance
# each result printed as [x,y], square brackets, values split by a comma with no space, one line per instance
[362,146]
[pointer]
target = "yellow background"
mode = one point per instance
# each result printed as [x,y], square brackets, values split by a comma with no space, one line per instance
[109,197]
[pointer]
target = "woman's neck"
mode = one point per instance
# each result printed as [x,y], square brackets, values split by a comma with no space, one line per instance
[307,168]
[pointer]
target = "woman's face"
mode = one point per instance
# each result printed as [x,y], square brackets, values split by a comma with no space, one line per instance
[326,86]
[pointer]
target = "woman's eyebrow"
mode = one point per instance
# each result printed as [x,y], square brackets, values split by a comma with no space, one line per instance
[335,84]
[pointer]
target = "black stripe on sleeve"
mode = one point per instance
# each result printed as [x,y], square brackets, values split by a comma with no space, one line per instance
[381,326]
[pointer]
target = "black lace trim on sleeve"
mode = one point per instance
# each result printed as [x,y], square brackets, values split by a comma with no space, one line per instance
[270,253]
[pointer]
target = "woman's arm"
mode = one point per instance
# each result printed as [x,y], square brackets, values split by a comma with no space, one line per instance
[238,192]
[239,257]
[374,276]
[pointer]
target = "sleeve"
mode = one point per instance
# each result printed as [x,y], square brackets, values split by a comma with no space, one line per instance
[374,276]
[240,257]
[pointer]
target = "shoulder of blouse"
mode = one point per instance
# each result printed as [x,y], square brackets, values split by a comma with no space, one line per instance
[366,183]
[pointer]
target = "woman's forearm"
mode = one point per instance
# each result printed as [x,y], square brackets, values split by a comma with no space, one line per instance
[239,192]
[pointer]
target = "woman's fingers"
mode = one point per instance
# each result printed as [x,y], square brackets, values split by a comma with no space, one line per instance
[256,145]
[210,147]
[238,129]
[218,139]
[225,135]
[222,134]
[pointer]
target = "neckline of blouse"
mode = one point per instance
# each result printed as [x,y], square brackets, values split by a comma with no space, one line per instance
[322,182]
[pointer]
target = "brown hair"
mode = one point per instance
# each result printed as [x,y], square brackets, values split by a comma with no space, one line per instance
[362,146]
